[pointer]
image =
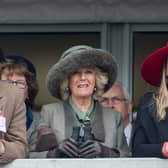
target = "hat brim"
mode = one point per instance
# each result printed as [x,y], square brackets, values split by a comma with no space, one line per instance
[16,58]
[86,58]
[151,69]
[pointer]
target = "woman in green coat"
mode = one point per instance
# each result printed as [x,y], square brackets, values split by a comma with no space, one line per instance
[81,127]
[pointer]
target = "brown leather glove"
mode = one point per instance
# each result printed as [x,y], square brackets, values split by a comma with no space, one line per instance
[109,152]
[46,139]
[67,149]
[93,149]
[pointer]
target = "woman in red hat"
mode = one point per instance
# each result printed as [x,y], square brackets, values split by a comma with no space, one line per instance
[150,137]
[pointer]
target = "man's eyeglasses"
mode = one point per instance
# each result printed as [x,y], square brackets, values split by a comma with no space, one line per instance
[114,100]
[19,83]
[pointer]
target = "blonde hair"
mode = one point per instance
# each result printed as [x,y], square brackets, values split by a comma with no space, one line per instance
[162,97]
[101,81]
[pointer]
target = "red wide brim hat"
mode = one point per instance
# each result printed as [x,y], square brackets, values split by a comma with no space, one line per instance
[151,69]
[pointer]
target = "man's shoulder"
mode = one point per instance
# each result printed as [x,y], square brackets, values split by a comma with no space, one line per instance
[147,101]
[4,84]
[147,96]
[111,113]
[56,106]
[109,110]
[10,90]
[8,86]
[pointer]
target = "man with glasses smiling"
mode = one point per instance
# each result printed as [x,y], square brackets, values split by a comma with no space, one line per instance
[118,98]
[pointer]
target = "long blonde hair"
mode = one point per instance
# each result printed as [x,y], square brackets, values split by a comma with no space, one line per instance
[162,96]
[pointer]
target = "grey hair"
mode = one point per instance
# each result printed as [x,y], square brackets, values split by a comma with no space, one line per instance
[101,81]
[125,90]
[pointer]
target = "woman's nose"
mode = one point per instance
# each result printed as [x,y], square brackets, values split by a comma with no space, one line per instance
[82,75]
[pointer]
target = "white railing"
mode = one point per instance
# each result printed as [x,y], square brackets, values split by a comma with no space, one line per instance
[89,163]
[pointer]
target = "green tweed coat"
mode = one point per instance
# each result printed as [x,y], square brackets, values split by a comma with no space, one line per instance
[106,126]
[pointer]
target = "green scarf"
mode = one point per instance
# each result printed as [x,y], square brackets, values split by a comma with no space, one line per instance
[83,117]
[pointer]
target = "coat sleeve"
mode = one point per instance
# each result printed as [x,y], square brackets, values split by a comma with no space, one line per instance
[45,117]
[43,121]
[14,140]
[142,148]
[114,131]
[144,137]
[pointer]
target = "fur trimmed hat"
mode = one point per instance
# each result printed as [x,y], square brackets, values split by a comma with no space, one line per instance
[76,57]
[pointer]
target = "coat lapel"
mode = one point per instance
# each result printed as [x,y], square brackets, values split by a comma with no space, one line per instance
[96,122]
